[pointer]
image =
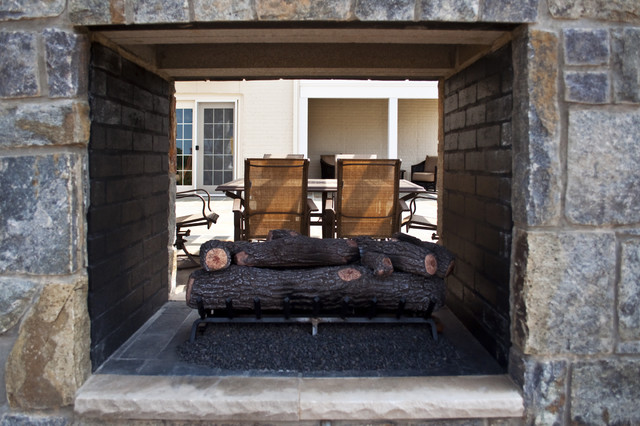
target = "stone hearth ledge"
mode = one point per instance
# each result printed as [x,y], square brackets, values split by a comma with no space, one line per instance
[236,398]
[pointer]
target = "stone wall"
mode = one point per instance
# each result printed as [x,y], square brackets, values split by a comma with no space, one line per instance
[476,197]
[574,310]
[129,203]
[575,321]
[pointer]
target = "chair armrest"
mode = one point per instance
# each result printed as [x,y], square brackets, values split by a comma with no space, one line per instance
[237,205]
[403,205]
[311,205]
[418,167]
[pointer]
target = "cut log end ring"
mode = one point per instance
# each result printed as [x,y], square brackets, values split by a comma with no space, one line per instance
[430,264]
[349,274]
[216,259]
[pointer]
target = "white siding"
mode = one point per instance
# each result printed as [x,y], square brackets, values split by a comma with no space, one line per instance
[347,126]
[417,130]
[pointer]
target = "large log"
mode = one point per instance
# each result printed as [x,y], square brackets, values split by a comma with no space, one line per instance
[446,259]
[216,254]
[330,284]
[405,257]
[298,251]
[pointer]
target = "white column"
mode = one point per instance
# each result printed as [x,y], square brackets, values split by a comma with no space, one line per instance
[303,126]
[392,129]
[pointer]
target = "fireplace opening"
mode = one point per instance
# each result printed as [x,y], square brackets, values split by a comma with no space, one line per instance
[131,172]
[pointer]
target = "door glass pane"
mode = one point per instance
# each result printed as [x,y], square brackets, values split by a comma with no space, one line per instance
[218,134]
[184,139]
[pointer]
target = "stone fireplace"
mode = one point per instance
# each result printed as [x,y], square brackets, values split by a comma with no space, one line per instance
[538,174]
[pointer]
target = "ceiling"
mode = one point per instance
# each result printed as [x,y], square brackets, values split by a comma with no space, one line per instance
[414,52]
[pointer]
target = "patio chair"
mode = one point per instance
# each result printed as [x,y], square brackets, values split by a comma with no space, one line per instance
[367,200]
[425,173]
[206,217]
[417,221]
[275,197]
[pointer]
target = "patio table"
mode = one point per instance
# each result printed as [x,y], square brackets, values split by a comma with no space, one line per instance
[235,188]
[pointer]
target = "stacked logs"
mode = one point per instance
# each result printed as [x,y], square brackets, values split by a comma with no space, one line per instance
[307,270]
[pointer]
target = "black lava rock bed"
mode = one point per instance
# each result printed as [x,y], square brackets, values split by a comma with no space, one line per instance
[337,350]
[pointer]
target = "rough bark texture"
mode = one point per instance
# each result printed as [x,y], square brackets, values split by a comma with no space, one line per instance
[298,251]
[379,263]
[445,259]
[213,253]
[331,284]
[405,256]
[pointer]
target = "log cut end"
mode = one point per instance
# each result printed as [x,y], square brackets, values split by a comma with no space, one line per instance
[189,288]
[217,259]
[349,274]
[430,264]
[241,258]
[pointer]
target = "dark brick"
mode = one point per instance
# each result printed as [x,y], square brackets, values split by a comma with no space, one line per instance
[467,96]
[132,117]
[161,143]
[488,238]
[104,58]
[498,161]
[474,208]
[455,120]
[104,166]
[451,141]
[467,140]
[98,82]
[474,161]
[499,109]
[476,115]
[488,136]
[489,87]
[499,215]
[143,142]
[119,90]
[153,122]
[454,161]
[451,103]
[105,111]
[153,163]
[119,139]
[460,182]
[142,99]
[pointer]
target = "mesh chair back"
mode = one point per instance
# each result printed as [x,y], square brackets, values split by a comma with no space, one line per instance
[275,196]
[367,198]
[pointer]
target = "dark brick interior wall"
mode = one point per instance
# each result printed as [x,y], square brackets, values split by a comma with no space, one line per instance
[477,224]
[129,204]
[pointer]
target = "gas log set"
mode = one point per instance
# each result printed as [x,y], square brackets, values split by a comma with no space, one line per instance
[291,277]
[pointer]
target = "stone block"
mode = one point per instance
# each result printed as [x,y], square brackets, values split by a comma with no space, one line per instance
[16,296]
[37,124]
[629,292]
[512,11]
[18,65]
[95,12]
[65,57]
[565,302]
[395,10]
[586,46]
[545,391]
[160,11]
[586,87]
[467,96]
[50,359]
[537,185]
[447,10]
[41,214]
[224,10]
[606,10]
[626,65]
[605,392]
[602,158]
[20,10]
[467,140]
[284,10]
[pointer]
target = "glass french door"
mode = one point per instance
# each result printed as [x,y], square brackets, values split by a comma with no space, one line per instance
[184,148]
[215,148]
